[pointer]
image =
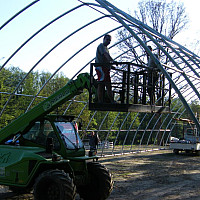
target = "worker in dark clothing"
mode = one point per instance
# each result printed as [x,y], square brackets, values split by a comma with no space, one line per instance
[93,142]
[103,72]
[153,75]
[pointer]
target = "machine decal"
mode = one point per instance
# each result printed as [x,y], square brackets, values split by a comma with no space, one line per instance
[4,157]
[57,98]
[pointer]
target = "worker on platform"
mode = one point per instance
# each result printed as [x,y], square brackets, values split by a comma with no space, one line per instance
[103,71]
[152,77]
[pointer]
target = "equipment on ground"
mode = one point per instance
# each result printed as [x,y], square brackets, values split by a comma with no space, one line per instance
[190,142]
[45,153]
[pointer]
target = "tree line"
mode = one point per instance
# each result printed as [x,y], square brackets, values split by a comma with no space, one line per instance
[17,91]
[15,98]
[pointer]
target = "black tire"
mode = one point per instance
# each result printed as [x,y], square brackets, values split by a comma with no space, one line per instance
[100,183]
[54,185]
[176,151]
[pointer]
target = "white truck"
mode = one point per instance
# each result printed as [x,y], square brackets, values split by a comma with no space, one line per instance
[190,143]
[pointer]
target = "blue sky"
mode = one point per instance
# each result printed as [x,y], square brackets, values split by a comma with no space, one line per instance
[22,27]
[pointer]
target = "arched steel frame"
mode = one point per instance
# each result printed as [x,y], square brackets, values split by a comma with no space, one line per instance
[184,65]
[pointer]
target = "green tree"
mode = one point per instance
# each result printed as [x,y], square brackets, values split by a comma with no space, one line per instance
[195,106]
[5,89]
[18,90]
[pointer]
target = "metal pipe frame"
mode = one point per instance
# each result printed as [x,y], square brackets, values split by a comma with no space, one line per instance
[175,58]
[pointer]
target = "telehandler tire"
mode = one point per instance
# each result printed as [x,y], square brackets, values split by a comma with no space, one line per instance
[100,183]
[54,184]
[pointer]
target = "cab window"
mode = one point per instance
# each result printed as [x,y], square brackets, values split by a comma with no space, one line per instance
[69,135]
[39,133]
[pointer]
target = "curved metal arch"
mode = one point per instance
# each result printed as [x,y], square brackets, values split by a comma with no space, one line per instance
[172,119]
[147,127]
[36,33]
[106,139]
[126,136]
[133,140]
[140,24]
[18,13]
[148,124]
[105,5]
[59,69]
[175,122]
[181,107]
[47,52]
[5,105]
[173,84]
[184,59]
[188,65]
[90,121]
[28,40]
[168,115]
[119,131]
[93,58]
[106,115]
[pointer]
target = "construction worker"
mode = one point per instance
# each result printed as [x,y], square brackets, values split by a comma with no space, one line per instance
[152,78]
[103,71]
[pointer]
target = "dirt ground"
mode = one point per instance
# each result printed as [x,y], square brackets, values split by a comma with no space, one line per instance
[157,175]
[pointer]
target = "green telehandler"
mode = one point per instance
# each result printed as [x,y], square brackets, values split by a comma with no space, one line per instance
[44,153]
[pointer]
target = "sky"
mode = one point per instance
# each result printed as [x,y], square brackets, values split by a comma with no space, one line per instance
[13,35]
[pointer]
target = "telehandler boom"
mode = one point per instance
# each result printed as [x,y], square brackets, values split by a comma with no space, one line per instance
[71,89]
